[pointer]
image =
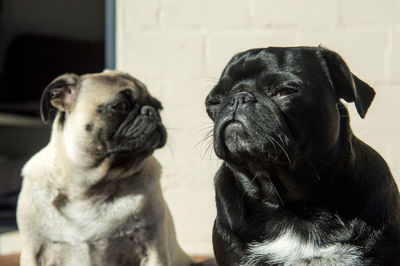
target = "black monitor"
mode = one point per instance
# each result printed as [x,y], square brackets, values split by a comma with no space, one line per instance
[45,38]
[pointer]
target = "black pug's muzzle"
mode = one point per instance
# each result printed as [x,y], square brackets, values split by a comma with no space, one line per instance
[249,127]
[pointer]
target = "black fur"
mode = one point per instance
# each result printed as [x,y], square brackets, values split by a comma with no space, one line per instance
[292,162]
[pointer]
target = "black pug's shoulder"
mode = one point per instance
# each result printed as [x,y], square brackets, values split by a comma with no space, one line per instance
[296,186]
[376,197]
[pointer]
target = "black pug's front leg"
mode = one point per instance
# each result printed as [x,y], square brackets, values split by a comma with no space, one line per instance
[228,247]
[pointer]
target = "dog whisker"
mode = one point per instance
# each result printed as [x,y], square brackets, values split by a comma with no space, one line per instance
[315,171]
[251,182]
[207,128]
[272,142]
[276,191]
[208,149]
[284,151]
[281,136]
[208,134]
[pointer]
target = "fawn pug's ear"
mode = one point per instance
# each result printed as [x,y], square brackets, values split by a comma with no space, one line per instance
[59,95]
[346,84]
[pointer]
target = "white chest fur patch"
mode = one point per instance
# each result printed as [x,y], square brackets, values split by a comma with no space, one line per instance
[289,249]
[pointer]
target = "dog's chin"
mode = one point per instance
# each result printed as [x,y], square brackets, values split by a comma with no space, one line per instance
[130,151]
[236,140]
[145,143]
[235,144]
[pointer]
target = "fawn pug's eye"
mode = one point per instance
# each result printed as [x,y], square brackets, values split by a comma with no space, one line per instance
[122,106]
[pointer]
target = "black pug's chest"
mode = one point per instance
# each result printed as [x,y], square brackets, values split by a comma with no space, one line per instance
[247,232]
[290,249]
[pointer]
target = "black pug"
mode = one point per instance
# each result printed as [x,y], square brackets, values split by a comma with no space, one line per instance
[296,186]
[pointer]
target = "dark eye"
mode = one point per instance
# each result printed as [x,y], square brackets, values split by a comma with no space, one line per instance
[213,101]
[284,92]
[122,106]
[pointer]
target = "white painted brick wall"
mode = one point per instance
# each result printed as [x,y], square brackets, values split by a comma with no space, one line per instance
[295,13]
[179,48]
[370,11]
[394,55]
[189,14]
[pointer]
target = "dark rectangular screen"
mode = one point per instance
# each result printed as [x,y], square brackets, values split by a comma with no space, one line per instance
[42,39]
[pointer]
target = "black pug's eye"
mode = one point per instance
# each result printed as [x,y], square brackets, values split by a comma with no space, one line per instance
[213,101]
[212,106]
[283,92]
[123,106]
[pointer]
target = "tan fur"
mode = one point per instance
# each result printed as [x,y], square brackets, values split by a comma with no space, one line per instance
[62,224]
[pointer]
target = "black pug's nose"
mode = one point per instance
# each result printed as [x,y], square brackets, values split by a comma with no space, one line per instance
[242,98]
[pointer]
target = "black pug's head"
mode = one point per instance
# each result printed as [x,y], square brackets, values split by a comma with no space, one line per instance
[277,106]
[108,115]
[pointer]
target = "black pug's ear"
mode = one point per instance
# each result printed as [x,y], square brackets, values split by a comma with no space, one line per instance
[347,86]
[60,95]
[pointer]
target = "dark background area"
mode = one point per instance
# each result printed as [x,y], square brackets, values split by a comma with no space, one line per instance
[39,40]
[42,39]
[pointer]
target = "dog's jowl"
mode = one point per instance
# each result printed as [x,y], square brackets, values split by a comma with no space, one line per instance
[296,186]
[92,196]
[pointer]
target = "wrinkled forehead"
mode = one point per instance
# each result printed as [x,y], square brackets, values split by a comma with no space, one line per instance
[102,86]
[299,61]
